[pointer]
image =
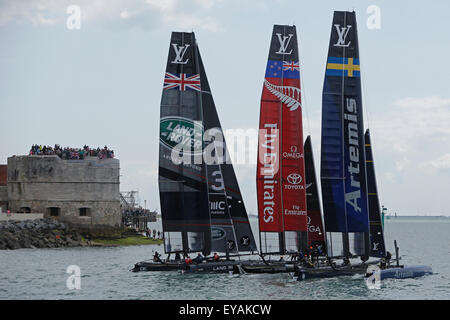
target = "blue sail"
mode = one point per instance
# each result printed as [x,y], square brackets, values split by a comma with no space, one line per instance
[343,170]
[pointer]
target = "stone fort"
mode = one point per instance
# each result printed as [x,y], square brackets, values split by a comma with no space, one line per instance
[81,192]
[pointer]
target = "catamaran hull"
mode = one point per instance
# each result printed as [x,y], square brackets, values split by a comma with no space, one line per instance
[390,273]
[207,267]
[235,267]
[268,268]
[405,272]
[157,266]
[213,267]
[304,274]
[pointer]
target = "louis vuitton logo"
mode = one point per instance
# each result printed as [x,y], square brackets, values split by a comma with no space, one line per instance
[342,34]
[284,43]
[179,53]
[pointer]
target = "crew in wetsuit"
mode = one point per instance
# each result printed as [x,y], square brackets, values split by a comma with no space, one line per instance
[294,256]
[156,257]
[388,256]
[307,261]
[319,250]
[385,261]
[199,258]
[177,256]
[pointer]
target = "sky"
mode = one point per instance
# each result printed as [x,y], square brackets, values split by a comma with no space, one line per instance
[100,84]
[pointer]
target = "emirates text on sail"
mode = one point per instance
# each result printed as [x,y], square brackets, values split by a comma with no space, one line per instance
[270,161]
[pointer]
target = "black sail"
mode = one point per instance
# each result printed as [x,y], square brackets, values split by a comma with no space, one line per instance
[182,187]
[229,220]
[377,245]
[316,232]
[201,205]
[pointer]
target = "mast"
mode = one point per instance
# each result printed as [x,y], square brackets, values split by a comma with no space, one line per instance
[316,232]
[343,170]
[280,170]
[377,244]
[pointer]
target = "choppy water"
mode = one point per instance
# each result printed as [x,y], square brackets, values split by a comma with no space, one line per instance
[41,273]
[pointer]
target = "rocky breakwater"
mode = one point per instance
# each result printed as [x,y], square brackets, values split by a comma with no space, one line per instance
[41,233]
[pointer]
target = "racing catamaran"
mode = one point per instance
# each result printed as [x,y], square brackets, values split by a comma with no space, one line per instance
[202,209]
[349,193]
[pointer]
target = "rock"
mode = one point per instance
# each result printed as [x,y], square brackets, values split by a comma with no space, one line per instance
[25,242]
[42,233]
[13,244]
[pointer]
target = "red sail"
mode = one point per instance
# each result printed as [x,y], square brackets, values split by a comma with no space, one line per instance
[281,169]
[268,169]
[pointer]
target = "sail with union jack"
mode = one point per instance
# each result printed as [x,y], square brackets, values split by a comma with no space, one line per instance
[182,82]
[202,209]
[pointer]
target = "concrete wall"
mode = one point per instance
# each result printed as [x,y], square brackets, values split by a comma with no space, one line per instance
[41,182]
[20,216]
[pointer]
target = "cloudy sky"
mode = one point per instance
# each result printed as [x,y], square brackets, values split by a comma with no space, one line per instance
[101,84]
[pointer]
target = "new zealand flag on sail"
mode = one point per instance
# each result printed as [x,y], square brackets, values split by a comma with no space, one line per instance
[285,69]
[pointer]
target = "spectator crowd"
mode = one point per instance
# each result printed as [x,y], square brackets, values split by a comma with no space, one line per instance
[72,153]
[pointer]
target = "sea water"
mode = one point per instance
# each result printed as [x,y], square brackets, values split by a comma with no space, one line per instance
[104,273]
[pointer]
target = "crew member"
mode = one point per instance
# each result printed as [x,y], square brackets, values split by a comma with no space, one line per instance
[199,258]
[216,257]
[156,257]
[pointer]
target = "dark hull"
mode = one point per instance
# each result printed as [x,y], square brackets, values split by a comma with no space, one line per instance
[327,272]
[157,266]
[206,267]
[213,267]
[270,268]
[234,266]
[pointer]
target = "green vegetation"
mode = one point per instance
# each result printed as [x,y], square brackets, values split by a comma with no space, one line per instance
[126,241]
[116,237]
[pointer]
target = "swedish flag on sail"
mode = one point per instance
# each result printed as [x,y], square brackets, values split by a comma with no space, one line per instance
[348,67]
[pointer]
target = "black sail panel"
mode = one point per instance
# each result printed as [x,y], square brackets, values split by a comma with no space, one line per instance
[377,245]
[316,232]
[231,229]
[183,183]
